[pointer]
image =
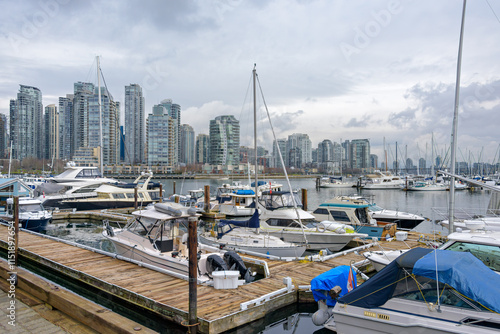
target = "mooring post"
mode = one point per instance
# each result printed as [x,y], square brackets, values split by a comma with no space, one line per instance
[16,228]
[135,198]
[161,192]
[304,199]
[206,197]
[193,273]
[174,188]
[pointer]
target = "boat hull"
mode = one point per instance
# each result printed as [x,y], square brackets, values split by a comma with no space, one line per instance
[104,204]
[285,251]
[316,240]
[36,225]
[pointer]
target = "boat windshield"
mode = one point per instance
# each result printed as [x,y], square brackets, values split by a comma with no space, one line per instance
[488,254]
[30,207]
[423,289]
[276,200]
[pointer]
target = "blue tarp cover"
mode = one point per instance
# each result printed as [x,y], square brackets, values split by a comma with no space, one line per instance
[378,289]
[462,271]
[245,192]
[465,273]
[322,284]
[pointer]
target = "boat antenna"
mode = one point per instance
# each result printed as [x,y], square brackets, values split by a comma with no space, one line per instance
[283,164]
[455,125]
[254,76]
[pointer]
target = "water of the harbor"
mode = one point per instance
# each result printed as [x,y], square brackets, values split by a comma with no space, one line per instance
[297,318]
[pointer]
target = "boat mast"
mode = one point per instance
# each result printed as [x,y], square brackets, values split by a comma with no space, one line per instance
[254,75]
[100,115]
[455,124]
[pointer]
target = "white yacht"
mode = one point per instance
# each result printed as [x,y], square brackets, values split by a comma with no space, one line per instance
[32,215]
[381,181]
[334,182]
[404,220]
[354,211]
[110,196]
[75,182]
[280,218]
[158,236]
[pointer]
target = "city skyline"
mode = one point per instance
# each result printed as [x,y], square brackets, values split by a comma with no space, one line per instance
[332,70]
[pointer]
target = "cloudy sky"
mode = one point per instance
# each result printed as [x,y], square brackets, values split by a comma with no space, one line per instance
[339,69]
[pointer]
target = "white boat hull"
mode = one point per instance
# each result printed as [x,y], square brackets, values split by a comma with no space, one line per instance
[279,251]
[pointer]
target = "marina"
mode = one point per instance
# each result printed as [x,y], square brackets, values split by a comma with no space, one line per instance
[165,298]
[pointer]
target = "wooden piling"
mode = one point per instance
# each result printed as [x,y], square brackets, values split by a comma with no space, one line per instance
[193,274]
[135,198]
[304,199]
[206,195]
[173,192]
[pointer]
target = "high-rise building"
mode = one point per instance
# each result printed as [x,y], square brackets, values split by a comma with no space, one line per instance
[134,124]
[325,156]
[83,92]
[26,126]
[202,144]
[174,111]
[3,136]
[360,153]
[374,161]
[302,150]
[110,126]
[160,141]
[224,140]
[187,144]
[276,160]
[52,132]
[66,127]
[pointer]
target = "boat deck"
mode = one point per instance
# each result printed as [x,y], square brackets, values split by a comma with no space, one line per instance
[217,310]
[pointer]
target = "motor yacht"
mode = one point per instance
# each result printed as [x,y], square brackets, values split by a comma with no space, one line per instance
[354,212]
[111,196]
[382,181]
[158,236]
[32,215]
[74,183]
[289,222]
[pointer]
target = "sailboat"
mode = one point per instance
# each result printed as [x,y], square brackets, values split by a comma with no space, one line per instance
[336,181]
[246,235]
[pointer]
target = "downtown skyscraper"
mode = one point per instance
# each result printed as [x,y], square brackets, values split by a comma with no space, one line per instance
[135,137]
[26,124]
[224,141]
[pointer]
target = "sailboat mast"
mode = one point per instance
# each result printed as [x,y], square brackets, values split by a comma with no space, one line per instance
[455,125]
[100,115]
[254,75]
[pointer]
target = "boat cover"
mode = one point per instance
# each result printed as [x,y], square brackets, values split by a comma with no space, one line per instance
[322,284]
[245,192]
[253,222]
[462,271]
[465,273]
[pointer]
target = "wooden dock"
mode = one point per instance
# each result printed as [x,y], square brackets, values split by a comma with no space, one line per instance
[167,297]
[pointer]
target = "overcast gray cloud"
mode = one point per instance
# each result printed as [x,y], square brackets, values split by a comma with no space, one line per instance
[382,69]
